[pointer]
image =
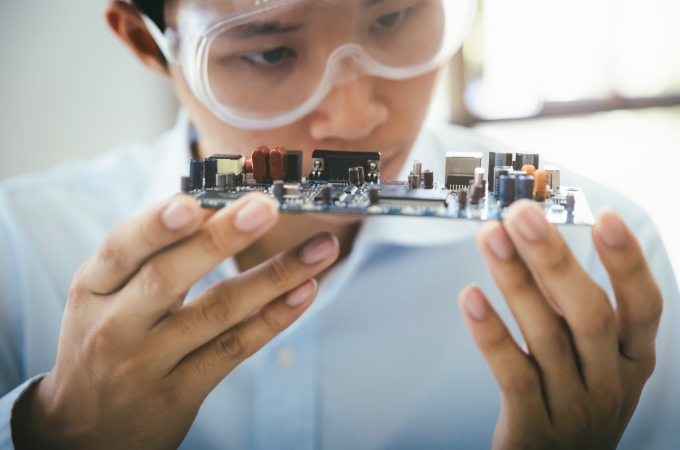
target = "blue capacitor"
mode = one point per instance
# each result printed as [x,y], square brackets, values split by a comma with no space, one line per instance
[506,190]
[210,171]
[196,174]
[526,188]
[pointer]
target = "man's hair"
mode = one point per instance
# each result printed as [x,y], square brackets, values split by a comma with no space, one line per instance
[153,9]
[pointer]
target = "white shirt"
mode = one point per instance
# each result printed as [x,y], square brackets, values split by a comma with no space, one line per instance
[382,359]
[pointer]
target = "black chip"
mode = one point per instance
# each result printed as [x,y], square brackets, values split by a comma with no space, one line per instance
[391,195]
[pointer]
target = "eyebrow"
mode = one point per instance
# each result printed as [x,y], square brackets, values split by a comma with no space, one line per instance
[264,29]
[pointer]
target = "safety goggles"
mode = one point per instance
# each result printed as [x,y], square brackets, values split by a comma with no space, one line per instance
[261,64]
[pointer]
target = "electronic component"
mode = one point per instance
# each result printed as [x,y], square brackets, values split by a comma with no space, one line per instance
[529,169]
[553,180]
[362,176]
[460,168]
[506,190]
[334,165]
[278,163]
[497,159]
[260,158]
[526,159]
[230,163]
[540,184]
[185,185]
[471,201]
[418,170]
[210,173]
[196,174]
[428,179]
[498,172]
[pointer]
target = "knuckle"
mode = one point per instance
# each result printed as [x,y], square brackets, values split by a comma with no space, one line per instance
[216,241]
[111,255]
[154,280]
[560,262]
[522,384]
[272,320]
[218,306]
[277,272]
[230,346]
[599,323]
[556,343]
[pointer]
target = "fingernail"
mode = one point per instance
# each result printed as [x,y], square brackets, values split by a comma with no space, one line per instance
[499,243]
[178,215]
[531,222]
[612,230]
[301,294]
[255,214]
[475,305]
[319,249]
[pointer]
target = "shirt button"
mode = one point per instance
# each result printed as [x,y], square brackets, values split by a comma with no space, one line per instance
[285,357]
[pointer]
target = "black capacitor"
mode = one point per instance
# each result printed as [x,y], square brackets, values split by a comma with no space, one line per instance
[526,159]
[231,180]
[462,198]
[185,185]
[362,176]
[221,182]
[497,159]
[526,188]
[571,203]
[374,195]
[428,179]
[210,172]
[506,190]
[354,176]
[277,189]
[326,194]
[196,174]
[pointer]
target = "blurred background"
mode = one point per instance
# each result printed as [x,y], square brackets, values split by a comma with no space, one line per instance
[592,85]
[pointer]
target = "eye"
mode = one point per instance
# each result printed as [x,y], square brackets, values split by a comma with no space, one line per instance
[271,57]
[388,21]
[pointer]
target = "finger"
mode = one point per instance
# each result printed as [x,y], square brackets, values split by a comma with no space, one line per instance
[547,338]
[514,372]
[229,302]
[131,243]
[203,369]
[638,298]
[584,304]
[167,276]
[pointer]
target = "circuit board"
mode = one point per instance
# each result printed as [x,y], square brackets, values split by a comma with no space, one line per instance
[349,183]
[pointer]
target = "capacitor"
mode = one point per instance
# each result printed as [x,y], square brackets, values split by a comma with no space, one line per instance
[497,159]
[196,174]
[462,198]
[540,183]
[260,161]
[479,176]
[529,169]
[326,194]
[428,179]
[471,187]
[278,163]
[210,172]
[230,181]
[498,171]
[525,159]
[374,195]
[571,203]
[362,176]
[526,188]
[413,181]
[418,170]
[221,182]
[516,174]
[477,194]
[354,176]
[277,189]
[506,190]
[185,185]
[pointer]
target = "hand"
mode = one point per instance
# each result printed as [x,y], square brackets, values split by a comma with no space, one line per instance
[578,384]
[134,365]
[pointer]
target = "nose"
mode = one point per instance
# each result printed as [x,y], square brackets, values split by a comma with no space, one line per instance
[349,112]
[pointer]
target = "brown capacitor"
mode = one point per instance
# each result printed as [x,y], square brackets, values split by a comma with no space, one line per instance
[260,158]
[462,198]
[540,184]
[428,179]
[248,165]
[354,176]
[362,175]
[529,169]
[326,194]
[413,181]
[278,163]
[477,194]
[374,195]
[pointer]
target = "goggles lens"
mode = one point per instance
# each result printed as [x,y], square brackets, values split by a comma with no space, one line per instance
[267,67]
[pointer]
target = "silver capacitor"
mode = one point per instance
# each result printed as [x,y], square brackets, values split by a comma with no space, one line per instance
[418,170]
[479,176]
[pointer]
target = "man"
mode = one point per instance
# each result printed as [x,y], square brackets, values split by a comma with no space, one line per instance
[181,327]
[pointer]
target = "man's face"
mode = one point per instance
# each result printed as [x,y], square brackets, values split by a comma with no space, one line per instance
[360,114]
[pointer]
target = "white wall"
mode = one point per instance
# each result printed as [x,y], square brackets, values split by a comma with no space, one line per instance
[69,88]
